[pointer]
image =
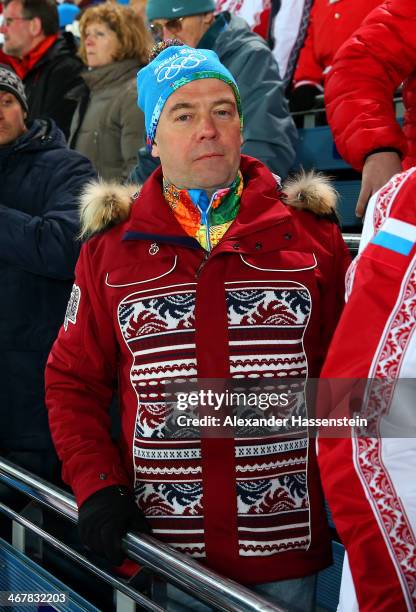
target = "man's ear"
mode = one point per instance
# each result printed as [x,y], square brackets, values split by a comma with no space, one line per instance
[35,26]
[155,150]
[208,18]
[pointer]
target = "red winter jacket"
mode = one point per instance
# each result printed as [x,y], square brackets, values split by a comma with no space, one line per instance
[330,25]
[366,72]
[150,308]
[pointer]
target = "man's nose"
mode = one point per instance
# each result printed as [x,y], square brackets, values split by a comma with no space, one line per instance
[167,34]
[207,127]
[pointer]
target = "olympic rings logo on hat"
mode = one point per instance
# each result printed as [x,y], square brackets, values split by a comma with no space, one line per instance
[188,62]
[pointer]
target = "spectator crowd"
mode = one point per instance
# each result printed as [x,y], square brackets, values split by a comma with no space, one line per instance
[153,231]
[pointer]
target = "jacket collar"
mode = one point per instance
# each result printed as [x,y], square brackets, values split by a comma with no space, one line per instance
[209,38]
[24,66]
[111,74]
[41,132]
[260,211]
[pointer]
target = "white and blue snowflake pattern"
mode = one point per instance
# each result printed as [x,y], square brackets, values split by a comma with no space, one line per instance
[268,307]
[159,314]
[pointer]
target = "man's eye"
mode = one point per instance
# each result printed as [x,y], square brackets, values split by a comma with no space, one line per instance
[183,118]
[222,112]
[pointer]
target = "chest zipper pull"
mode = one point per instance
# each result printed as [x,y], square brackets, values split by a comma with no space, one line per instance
[201,265]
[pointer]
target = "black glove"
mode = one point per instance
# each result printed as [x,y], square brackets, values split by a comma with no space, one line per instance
[302,98]
[105,517]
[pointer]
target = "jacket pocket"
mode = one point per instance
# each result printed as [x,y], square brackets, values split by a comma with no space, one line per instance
[281,261]
[129,276]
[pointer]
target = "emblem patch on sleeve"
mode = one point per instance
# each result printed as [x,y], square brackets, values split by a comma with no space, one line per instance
[73,305]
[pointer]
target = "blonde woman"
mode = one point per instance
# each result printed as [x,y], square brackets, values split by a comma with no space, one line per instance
[108,127]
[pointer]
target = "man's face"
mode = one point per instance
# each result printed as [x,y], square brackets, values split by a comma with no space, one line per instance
[12,118]
[18,31]
[188,30]
[198,137]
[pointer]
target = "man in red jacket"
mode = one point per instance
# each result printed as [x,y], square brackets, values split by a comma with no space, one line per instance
[359,91]
[211,276]
[45,60]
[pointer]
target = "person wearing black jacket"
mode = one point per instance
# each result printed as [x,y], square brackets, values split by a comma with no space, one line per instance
[44,59]
[40,183]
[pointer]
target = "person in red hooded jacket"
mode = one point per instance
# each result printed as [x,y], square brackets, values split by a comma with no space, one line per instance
[359,91]
[210,276]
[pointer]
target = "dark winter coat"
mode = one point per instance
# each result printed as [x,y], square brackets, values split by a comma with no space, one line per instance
[40,183]
[47,84]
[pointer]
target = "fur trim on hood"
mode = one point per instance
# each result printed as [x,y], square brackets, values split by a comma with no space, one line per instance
[105,204]
[311,191]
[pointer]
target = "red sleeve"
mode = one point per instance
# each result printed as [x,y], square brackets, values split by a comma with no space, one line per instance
[365,74]
[262,28]
[80,376]
[333,289]
[307,68]
[333,259]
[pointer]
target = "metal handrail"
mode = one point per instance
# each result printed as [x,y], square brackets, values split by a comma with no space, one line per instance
[181,570]
[81,560]
[352,240]
[319,106]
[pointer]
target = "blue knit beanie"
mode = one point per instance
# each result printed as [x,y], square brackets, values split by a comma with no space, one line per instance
[169,9]
[173,68]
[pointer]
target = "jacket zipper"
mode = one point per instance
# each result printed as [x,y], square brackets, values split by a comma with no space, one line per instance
[202,264]
[204,220]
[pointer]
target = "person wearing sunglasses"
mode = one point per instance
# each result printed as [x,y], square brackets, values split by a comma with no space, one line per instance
[269,132]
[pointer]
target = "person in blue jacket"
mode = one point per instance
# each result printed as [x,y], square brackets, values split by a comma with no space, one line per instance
[39,187]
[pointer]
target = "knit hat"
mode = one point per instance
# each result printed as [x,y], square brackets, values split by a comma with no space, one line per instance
[171,9]
[174,67]
[9,81]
